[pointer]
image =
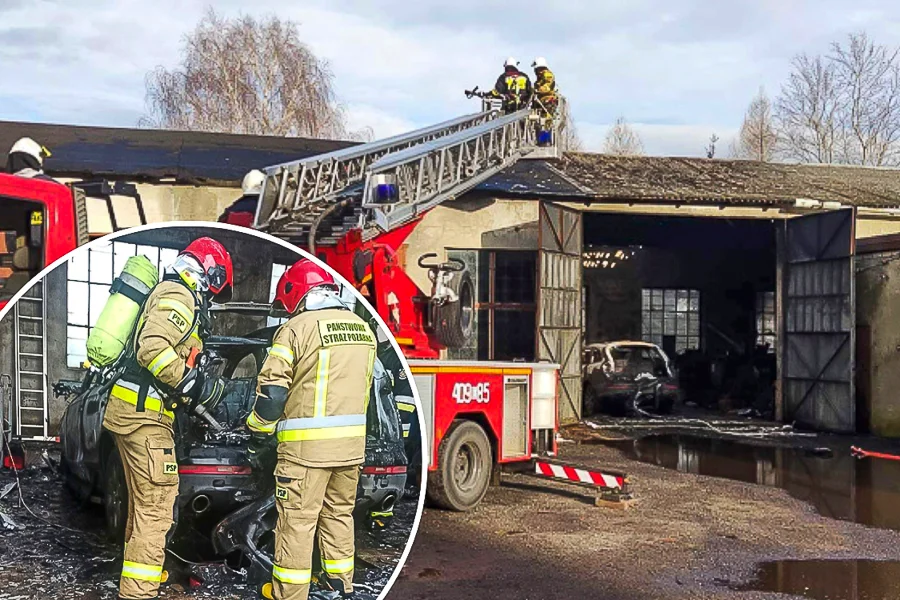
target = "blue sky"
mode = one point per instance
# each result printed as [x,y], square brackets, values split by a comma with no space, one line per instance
[678,71]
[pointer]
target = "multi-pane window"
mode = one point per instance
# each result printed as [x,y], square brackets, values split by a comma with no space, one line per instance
[90,274]
[506,304]
[765,320]
[671,314]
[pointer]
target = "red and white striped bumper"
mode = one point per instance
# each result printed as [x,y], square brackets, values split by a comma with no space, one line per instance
[608,480]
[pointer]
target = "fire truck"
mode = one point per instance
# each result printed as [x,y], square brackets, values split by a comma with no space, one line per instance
[40,221]
[353,209]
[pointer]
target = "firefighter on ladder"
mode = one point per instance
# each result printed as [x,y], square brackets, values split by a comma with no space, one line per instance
[140,414]
[312,394]
[243,210]
[513,87]
[546,99]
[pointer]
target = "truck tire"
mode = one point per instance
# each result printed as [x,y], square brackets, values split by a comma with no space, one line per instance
[115,497]
[464,468]
[454,321]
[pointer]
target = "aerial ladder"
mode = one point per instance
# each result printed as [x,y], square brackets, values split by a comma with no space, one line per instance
[353,209]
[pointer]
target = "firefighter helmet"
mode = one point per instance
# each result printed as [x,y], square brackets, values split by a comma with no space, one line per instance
[253,182]
[539,63]
[28,146]
[297,281]
[215,272]
[511,62]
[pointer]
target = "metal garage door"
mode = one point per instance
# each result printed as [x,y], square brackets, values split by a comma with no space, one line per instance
[559,302]
[819,320]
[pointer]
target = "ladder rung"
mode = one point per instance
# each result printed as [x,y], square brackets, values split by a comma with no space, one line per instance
[31,391]
[27,318]
[31,354]
[31,299]
[30,336]
[31,408]
[30,373]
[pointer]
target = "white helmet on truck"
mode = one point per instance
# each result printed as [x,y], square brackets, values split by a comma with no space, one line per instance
[28,146]
[511,62]
[539,62]
[253,183]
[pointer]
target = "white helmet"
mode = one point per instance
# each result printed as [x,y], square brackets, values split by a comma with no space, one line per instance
[253,182]
[511,62]
[540,61]
[30,147]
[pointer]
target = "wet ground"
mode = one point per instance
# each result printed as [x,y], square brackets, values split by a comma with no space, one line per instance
[57,550]
[736,518]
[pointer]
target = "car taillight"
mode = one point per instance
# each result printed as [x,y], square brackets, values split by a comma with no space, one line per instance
[384,470]
[213,470]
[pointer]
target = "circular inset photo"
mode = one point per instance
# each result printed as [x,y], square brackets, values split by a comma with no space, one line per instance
[204,411]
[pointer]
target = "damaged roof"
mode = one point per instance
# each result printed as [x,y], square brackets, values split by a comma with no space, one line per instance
[153,154]
[700,180]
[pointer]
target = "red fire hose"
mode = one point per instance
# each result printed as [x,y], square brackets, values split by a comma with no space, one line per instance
[860,453]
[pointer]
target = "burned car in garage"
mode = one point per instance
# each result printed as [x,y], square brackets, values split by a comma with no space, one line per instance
[224,508]
[621,376]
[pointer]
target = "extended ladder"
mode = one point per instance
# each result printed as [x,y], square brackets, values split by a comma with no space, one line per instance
[319,199]
[31,393]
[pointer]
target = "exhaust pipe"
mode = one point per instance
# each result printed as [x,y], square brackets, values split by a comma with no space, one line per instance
[387,505]
[200,504]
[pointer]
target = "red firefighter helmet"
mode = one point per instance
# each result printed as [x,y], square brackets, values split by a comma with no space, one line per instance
[216,264]
[297,281]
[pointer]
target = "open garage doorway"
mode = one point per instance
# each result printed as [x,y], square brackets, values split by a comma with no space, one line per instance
[701,289]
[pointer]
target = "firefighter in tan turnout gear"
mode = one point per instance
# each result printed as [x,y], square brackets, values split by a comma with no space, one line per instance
[140,412]
[312,394]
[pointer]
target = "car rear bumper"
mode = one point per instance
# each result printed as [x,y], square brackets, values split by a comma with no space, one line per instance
[379,493]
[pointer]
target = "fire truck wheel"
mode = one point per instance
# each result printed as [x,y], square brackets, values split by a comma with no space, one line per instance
[464,468]
[454,321]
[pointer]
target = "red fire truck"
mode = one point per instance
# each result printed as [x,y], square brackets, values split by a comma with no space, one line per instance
[353,209]
[40,221]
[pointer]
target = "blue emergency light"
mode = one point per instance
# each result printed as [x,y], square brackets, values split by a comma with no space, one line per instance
[545,138]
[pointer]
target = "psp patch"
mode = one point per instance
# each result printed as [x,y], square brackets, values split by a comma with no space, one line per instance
[342,333]
[281,493]
[179,321]
[170,468]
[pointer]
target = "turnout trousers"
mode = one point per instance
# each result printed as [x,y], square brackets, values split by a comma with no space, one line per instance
[151,474]
[307,498]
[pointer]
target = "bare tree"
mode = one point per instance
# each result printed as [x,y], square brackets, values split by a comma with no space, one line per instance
[246,76]
[807,112]
[622,140]
[567,132]
[844,107]
[711,148]
[758,136]
[868,76]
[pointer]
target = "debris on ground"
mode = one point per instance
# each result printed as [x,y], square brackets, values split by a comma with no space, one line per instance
[51,538]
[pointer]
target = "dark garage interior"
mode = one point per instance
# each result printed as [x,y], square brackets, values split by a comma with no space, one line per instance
[703,289]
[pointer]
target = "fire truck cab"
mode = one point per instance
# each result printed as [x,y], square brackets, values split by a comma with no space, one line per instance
[39,222]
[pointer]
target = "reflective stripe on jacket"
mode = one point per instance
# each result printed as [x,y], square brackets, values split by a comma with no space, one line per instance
[324,358]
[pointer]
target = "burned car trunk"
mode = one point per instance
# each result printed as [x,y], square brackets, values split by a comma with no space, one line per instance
[222,505]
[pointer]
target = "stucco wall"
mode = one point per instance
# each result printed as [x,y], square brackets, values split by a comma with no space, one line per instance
[878,310]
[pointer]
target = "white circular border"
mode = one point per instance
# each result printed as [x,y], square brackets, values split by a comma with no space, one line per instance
[303,253]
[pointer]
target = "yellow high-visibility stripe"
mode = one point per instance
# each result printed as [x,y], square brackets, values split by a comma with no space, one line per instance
[295,576]
[142,572]
[131,397]
[322,381]
[255,423]
[369,369]
[338,566]
[162,360]
[179,307]
[406,407]
[322,433]
[282,352]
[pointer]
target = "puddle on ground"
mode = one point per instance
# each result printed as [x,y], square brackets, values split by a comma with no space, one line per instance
[838,485]
[829,579]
